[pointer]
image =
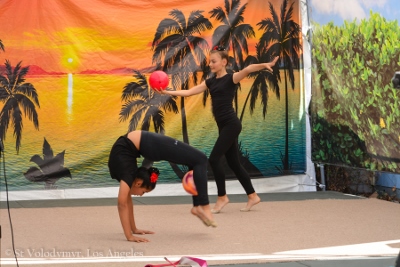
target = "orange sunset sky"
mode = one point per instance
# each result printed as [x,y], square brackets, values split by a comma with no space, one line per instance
[72,36]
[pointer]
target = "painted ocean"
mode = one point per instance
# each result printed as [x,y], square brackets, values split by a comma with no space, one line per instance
[79,114]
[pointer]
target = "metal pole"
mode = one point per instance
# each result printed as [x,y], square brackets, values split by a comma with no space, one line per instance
[322,170]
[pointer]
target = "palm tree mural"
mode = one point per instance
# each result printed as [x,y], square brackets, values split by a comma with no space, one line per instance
[145,106]
[50,168]
[232,34]
[1,48]
[282,36]
[259,87]
[181,53]
[18,98]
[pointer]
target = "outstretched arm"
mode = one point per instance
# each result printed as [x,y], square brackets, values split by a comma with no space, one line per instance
[238,76]
[125,211]
[192,91]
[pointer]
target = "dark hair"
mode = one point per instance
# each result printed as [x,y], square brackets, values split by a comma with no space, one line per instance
[221,51]
[149,177]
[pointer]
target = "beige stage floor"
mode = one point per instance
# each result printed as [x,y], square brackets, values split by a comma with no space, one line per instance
[283,227]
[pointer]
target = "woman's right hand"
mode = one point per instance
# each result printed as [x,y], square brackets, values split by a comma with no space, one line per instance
[162,92]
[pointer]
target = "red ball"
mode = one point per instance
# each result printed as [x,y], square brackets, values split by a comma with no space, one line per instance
[159,80]
[188,183]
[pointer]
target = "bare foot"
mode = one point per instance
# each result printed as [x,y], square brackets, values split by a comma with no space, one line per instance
[253,200]
[221,202]
[204,214]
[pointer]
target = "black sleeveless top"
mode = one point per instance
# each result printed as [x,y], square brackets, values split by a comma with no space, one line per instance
[222,91]
[122,162]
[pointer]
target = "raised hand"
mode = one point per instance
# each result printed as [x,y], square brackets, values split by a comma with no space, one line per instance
[269,65]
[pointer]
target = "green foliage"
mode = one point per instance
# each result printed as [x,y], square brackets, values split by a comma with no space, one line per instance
[337,144]
[352,69]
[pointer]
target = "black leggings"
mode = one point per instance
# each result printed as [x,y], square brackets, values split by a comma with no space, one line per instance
[157,147]
[227,144]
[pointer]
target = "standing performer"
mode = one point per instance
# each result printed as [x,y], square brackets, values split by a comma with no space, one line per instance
[222,88]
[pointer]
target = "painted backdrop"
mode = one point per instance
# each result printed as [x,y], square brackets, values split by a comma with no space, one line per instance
[355,105]
[74,77]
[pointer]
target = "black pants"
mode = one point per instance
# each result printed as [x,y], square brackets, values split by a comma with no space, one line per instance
[227,144]
[157,147]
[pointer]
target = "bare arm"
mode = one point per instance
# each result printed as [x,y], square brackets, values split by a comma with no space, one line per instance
[124,213]
[192,91]
[131,217]
[134,229]
[238,76]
